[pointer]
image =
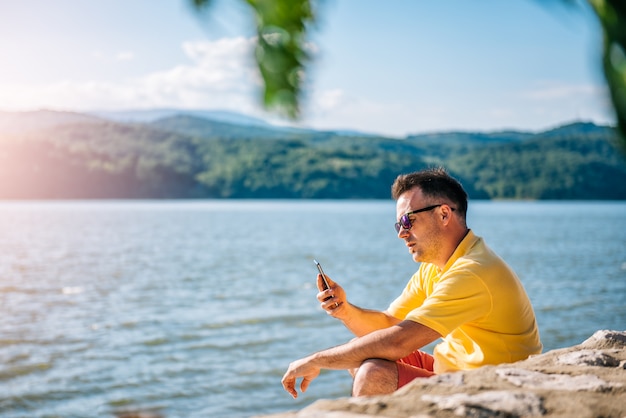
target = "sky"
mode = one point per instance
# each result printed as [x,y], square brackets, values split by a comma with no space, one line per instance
[385,67]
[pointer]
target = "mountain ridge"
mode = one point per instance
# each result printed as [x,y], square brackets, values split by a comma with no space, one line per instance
[10,121]
[154,114]
[68,155]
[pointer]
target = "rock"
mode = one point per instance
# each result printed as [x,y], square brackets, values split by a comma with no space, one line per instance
[587,380]
[535,380]
[589,358]
[490,404]
[606,339]
[452,379]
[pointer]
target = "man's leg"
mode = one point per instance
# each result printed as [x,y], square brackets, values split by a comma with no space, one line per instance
[375,377]
[380,377]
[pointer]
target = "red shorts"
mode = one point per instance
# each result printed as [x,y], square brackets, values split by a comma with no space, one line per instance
[417,364]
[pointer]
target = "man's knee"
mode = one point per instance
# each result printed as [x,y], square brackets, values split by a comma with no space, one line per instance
[375,377]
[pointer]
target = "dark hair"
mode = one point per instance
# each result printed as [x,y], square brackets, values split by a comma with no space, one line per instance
[435,183]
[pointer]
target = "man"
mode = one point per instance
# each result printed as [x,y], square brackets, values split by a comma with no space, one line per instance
[462,292]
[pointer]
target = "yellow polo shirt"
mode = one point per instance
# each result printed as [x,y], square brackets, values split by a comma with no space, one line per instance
[477,303]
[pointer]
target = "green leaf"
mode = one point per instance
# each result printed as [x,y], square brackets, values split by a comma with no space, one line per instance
[612,16]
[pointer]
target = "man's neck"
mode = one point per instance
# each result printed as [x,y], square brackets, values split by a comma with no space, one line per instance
[454,242]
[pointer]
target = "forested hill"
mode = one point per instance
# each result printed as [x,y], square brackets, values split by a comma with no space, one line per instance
[59,155]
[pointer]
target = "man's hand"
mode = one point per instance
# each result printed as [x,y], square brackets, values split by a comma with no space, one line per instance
[331,299]
[300,368]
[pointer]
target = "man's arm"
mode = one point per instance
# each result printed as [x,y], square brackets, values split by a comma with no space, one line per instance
[358,320]
[391,343]
[363,321]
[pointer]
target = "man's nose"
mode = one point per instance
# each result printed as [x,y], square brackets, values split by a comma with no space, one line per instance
[403,233]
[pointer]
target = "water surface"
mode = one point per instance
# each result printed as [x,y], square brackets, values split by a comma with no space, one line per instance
[195,308]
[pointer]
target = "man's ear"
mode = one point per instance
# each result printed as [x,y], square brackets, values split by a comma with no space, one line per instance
[446,214]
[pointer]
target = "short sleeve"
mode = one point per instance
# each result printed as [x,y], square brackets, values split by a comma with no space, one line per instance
[456,299]
[411,298]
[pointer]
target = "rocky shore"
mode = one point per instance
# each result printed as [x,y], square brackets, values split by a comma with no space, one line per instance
[587,380]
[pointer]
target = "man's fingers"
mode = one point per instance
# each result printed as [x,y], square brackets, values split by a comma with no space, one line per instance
[293,393]
[304,385]
[331,305]
[324,296]
[289,386]
[297,370]
[320,282]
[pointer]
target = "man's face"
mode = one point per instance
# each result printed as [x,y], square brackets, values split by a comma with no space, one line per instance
[423,237]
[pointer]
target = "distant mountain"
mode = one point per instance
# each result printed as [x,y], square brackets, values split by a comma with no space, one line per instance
[575,161]
[203,127]
[151,115]
[65,155]
[20,122]
[221,116]
[469,138]
[575,128]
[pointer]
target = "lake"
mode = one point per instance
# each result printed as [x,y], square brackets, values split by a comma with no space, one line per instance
[195,308]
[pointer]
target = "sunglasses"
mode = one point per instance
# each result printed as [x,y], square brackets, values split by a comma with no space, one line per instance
[405,222]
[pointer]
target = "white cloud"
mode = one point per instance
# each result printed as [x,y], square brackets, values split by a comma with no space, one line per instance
[219,66]
[329,101]
[545,106]
[125,56]
[97,55]
[337,110]
[220,74]
[120,56]
[547,90]
[550,103]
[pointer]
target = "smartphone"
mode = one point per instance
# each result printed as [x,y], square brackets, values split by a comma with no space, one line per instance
[324,281]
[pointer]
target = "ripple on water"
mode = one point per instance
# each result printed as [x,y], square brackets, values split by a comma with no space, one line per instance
[161,310]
